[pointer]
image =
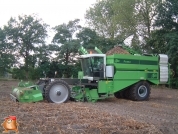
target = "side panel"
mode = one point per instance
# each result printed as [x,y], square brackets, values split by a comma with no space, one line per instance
[105,86]
[137,75]
[133,62]
[123,79]
[110,87]
[130,69]
[121,84]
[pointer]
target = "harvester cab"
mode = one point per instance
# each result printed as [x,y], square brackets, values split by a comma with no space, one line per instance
[93,66]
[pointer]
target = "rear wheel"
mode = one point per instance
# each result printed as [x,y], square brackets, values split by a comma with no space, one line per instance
[127,93]
[122,94]
[57,92]
[119,95]
[140,91]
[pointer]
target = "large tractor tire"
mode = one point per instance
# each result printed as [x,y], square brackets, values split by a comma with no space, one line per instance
[140,91]
[127,93]
[119,95]
[123,94]
[57,92]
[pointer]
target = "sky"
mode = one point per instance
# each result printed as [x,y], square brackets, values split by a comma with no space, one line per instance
[52,12]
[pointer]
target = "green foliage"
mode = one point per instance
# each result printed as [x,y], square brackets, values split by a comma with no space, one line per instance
[90,39]
[164,40]
[106,44]
[6,57]
[120,19]
[145,14]
[75,69]
[55,66]
[172,39]
[112,18]
[67,47]
[43,53]
[157,42]
[44,68]
[24,34]
[50,68]
[34,73]
[18,73]
[168,15]
[24,38]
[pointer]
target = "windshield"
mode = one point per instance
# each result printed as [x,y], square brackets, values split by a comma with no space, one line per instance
[93,66]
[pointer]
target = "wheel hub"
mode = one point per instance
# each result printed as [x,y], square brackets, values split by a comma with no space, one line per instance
[142,91]
[58,93]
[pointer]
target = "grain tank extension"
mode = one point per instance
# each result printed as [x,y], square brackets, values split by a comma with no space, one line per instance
[103,76]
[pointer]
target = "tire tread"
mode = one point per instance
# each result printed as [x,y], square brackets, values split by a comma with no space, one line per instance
[47,90]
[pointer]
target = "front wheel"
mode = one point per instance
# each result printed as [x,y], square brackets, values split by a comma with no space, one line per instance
[57,92]
[140,91]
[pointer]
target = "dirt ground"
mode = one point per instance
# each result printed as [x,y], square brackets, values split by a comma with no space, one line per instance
[159,115]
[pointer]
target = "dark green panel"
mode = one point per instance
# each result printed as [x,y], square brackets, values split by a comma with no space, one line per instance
[121,84]
[152,75]
[136,76]
[129,61]
[145,62]
[126,61]
[105,86]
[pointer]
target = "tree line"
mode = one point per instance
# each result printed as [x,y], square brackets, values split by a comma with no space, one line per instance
[152,26]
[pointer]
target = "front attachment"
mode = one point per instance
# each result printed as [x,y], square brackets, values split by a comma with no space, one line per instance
[26,94]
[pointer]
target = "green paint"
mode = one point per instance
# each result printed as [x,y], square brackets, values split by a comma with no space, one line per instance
[142,62]
[152,75]
[85,94]
[128,70]
[28,94]
[25,84]
[105,86]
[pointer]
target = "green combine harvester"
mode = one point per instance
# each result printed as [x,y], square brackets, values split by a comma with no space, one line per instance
[102,76]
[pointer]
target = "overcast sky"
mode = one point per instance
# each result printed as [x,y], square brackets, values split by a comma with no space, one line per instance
[53,12]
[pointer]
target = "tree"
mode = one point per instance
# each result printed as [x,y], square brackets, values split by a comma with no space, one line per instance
[156,42]
[67,45]
[165,38]
[25,33]
[124,18]
[168,15]
[6,57]
[88,38]
[45,53]
[112,18]
[145,13]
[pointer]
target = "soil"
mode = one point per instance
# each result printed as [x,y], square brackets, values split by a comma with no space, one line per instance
[117,50]
[159,115]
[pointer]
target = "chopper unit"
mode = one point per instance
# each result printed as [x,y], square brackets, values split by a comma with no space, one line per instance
[102,76]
